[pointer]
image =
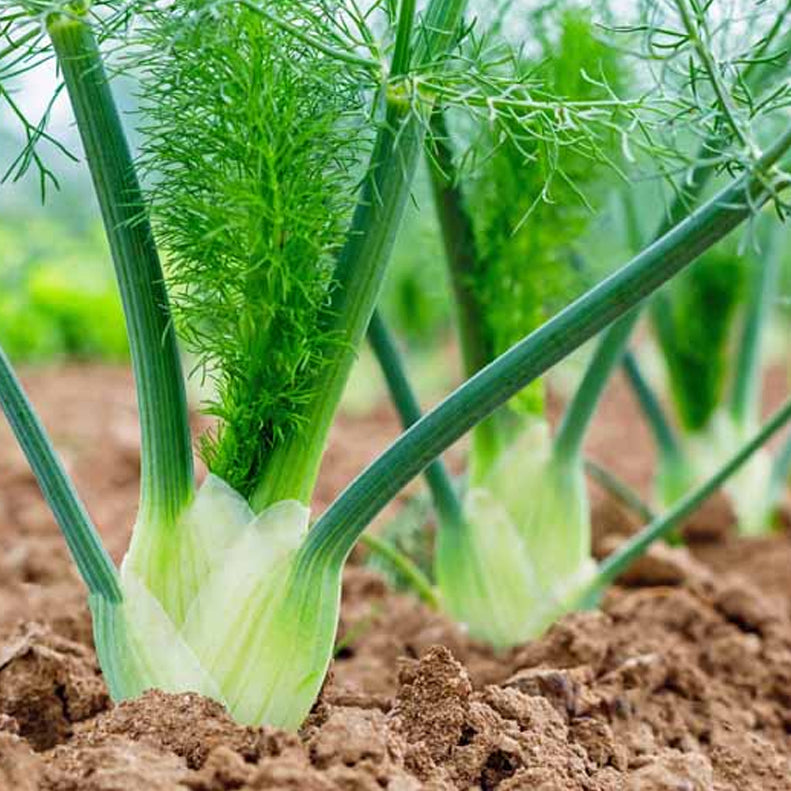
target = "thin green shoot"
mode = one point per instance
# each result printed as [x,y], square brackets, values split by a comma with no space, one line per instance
[620,490]
[781,472]
[415,578]
[579,413]
[384,346]
[92,560]
[746,386]
[661,428]
[619,561]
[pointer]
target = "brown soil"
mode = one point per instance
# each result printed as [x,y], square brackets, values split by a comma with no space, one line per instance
[681,682]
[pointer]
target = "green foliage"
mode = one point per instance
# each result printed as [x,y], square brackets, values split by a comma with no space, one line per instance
[252,148]
[531,199]
[58,305]
[694,328]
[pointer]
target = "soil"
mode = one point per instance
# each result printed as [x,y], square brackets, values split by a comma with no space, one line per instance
[680,682]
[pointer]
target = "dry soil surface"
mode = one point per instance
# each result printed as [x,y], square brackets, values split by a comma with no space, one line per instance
[681,682]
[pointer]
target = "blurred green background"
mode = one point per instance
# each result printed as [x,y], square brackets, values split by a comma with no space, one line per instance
[58,298]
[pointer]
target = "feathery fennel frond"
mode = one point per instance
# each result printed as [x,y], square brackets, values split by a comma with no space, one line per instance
[251,144]
[530,181]
[727,64]
[695,329]
[24,47]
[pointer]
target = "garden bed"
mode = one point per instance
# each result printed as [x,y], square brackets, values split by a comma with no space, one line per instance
[681,681]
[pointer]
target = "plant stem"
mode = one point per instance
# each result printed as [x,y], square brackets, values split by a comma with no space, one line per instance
[618,489]
[166,452]
[620,560]
[663,432]
[93,562]
[383,344]
[403,44]
[341,525]
[293,466]
[567,445]
[616,338]
[458,236]
[417,580]
[747,378]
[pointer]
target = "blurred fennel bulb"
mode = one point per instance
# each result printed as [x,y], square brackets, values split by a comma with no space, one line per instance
[522,556]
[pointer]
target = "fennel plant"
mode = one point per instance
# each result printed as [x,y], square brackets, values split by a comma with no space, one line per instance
[716,402]
[709,327]
[522,552]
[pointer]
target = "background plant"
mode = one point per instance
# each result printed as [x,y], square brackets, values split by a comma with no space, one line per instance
[63,306]
[710,324]
[497,241]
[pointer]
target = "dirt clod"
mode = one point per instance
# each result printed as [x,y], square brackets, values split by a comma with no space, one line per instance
[112,766]
[47,684]
[187,725]
[20,767]
[433,702]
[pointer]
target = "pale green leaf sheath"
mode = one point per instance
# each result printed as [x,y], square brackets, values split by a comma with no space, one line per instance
[523,556]
[227,620]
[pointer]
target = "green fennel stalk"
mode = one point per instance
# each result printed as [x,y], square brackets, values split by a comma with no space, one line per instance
[166,453]
[745,389]
[85,545]
[534,355]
